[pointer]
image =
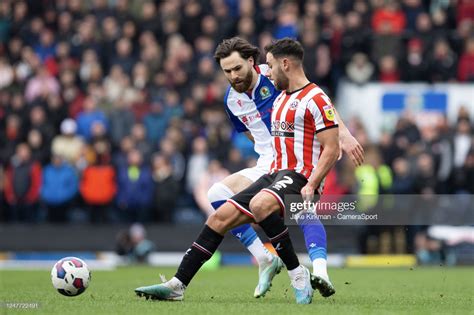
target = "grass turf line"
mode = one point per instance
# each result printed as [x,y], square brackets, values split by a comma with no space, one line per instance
[437,290]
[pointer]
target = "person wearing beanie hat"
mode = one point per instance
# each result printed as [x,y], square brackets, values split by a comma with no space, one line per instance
[68,145]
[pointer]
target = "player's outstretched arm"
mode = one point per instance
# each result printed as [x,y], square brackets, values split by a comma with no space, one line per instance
[349,144]
[329,140]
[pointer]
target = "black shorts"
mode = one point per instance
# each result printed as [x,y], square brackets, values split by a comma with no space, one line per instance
[277,184]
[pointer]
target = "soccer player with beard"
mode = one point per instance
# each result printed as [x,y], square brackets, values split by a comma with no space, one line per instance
[249,103]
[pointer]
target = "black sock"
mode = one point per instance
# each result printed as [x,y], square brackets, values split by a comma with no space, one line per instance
[277,231]
[201,250]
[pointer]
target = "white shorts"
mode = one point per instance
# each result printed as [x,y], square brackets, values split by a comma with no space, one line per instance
[254,173]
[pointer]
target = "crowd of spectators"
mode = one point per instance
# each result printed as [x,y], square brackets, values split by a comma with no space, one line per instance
[111,110]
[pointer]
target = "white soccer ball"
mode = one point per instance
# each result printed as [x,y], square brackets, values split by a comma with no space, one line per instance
[70,276]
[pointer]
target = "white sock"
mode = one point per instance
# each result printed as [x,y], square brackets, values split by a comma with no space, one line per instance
[320,268]
[260,252]
[219,191]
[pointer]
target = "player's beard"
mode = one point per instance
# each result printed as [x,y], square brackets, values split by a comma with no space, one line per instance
[244,85]
[281,81]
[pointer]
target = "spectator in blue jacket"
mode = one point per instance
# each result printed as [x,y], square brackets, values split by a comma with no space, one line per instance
[156,122]
[88,117]
[47,46]
[59,188]
[135,189]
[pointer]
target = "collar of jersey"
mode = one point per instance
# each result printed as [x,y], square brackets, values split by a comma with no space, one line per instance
[259,79]
[301,88]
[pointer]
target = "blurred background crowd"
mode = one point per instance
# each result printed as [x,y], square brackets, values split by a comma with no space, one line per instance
[112,110]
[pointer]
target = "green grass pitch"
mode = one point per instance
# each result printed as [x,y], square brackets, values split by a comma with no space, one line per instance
[229,290]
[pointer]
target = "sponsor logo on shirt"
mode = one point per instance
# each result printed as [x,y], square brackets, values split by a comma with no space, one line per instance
[248,119]
[283,128]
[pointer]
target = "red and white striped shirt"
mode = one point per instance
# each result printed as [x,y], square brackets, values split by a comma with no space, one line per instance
[296,119]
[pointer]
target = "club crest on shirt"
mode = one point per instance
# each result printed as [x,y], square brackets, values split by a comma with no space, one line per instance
[294,105]
[329,112]
[265,92]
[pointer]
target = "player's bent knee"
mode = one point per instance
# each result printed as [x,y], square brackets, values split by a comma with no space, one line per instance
[222,220]
[263,205]
[219,192]
[216,223]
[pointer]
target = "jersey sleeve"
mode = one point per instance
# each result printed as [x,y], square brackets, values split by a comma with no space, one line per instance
[236,123]
[323,112]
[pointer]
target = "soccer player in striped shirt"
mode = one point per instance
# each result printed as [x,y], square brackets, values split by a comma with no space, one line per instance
[250,112]
[248,103]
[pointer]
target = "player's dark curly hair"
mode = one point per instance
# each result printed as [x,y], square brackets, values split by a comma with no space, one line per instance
[286,47]
[243,47]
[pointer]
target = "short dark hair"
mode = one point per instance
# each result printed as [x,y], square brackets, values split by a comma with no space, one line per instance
[243,47]
[286,47]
